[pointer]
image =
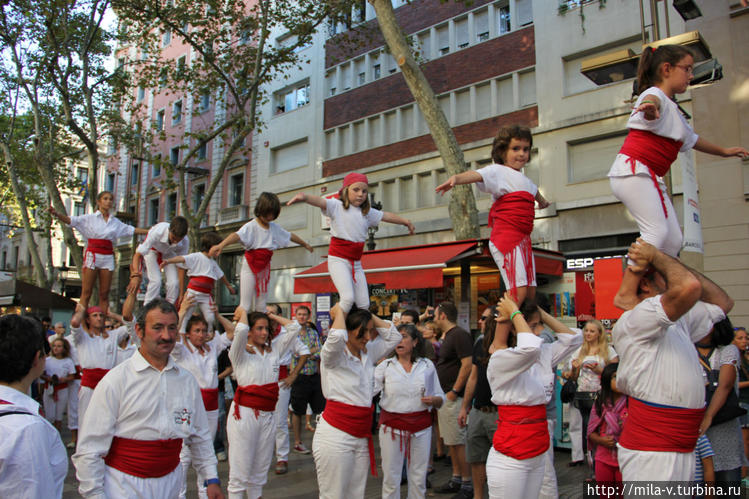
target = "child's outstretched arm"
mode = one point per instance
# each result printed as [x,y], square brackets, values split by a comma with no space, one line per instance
[467,177]
[174,259]
[309,199]
[397,219]
[708,147]
[649,107]
[541,200]
[228,285]
[62,217]
[140,231]
[301,242]
[218,248]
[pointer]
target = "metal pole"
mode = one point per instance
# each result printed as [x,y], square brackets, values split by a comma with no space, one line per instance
[642,23]
[654,20]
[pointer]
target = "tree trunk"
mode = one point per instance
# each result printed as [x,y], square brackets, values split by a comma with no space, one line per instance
[462,205]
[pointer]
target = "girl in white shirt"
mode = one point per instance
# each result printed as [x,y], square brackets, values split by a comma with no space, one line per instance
[59,370]
[350,217]
[657,133]
[410,389]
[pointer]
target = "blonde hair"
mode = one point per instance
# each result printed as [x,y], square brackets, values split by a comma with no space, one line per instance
[603,343]
[346,203]
[437,330]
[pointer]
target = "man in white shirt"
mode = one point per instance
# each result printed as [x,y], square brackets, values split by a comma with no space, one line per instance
[33,461]
[659,369]
[143,411]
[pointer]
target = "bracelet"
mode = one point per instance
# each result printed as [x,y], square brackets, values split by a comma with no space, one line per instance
[649,102]
[211,481]
[512,315]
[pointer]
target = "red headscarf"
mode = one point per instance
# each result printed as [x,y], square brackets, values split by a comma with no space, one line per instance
[353,178]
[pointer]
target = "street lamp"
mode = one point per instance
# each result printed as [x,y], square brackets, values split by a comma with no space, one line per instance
[371,231]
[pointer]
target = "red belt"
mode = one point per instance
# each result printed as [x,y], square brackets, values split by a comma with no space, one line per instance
[210,398]
[202,283]
[100,246]
[354,420]
[144,458]
[348,250]
[91,377]
[259,262]
[511,219]
[256,397]
[662,429]
[283,372]
[522,431]
[408,423]
[56,388]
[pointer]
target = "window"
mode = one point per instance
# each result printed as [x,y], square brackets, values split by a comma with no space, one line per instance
[361,78]
[289,156]
[160,120]
[120,62]
[171,206]
[245,36]
[110,182]
[198,193]
[82,175]
[376,72]
[174,156]
[79,208]
[141,94]
[202,152]
[162,78]
[504,19]
[461,33]
[176,112]
[292,98]
[481,25]
[181,65]
[236,186]
[166,37]
[153,211]
[590,158]
[156,167]
[205,101]
[443,39]
[134,174]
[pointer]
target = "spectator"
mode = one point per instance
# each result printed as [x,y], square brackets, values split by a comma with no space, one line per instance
[58,372]
[704,467]
[307,388]
[74,386]
[741,340]
[412,317]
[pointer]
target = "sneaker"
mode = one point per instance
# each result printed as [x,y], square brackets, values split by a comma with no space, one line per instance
[301,449]
[448,488]
[221,456]
[281,467]
[463,494]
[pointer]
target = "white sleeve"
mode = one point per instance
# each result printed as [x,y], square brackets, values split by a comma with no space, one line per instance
[300,348]
[183,247]
[245,234]
[200,442]
[699,320]
[78,222]
[386,341]
[612,353]
[379,377]
[123,229]
[374,217]
[505,365]
[332,207]
[236,351]
[565,345]
[288,339]
[646,321]
[431,379]
[491,179]
[146,245]
[71,366]
[281,237]
[178,352]
[190,260]
[217,270]
[334,347]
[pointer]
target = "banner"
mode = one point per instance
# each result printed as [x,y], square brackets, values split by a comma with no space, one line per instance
[692,224]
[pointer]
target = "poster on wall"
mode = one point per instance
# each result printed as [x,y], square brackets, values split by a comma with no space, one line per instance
[322,312]
[692,224]
[585,301]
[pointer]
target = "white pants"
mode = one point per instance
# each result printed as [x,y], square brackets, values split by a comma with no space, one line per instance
[521,277]
[53,410]
[282,429]
[185,457]
[576,433]
[514,478]
[153,272]
[248,298]
[204,301]
[250,451]
[549,486]
[393,451]
[119,484]
[341,462]
[639,465]
[74,387]
[84,397]
[350,292]
[639,195]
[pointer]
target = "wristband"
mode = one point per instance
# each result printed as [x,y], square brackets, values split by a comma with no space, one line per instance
[649,102]
[211,481]
[512,315]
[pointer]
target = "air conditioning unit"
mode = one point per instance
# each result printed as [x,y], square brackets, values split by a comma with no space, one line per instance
[233,214]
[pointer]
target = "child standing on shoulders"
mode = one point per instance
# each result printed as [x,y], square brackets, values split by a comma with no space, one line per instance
[203,272]
[657,133]
[350,217]
[260,237]
[59,370]
[605,427]
[512,212]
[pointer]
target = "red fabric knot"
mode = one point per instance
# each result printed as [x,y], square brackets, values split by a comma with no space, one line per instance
[202,283]
[256,397]
[511,219]
[522,431]
[259,263]
[408,423]
[354,420]
[91,377]
[144,458]
[348,250]
[210,398]
[661,429]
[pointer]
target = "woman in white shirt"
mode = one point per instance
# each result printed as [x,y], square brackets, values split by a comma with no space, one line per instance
[410,389]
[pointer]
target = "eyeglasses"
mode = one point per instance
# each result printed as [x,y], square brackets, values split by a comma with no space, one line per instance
[688,69]
[484,317]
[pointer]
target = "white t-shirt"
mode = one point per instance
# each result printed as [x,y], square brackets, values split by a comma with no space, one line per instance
[401,390]
[350,224]
[158,239]
[499,180]
[93,226]
[253,236]
[59,367]
[198,264]
[588,380]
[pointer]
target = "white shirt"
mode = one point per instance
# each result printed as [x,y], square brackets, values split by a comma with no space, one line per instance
[402,391]
[33,460]
[203,367]
[125,353]
[98,352]
[259,368]
[158,239]
[93,226]
[59,367]
[346,378]
[523,375]
[253,236]
[198,264]
[589,380]
[657,359]
[499,180]
[298,348]
[137,401]
[350,224]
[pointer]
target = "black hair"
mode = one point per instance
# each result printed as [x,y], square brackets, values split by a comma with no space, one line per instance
[20,340]
[161,304]
[208,240]
[722,333]
[490,328]
[504,137]
[648,69]
[606,394]
[267,204]
[418,350]
[47,318]
[277,308]
[412,314]
[448,308]
[102,193]
[178,226]
[195,319]
[252,319]
[529,308]
[357,320]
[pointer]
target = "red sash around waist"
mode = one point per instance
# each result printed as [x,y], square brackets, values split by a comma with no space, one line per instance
[259,263]
[91,377]
[210,398]
[202,283]
[661,429]
[144,458]
[159,256]
[283,372]
[511,219]
[354,420]
[55,388]
[522,431]
[408,423]
[101,246]
[256,397]
[348,250]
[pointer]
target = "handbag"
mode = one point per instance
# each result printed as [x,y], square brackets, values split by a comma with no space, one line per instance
[731,408]
[567,394]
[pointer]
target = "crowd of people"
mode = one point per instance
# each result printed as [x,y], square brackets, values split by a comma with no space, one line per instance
[146,397]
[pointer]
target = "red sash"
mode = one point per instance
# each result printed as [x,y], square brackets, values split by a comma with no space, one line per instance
[202,283]
[348,250]
[144,458]
[210,398]
[55,388]
[660,429]
[408,423]
[101,246]
[653,151]
[283,372]
[259,262]
[256,397]
[354,420]
[511,219]
[91,377]
[159,256]
[522,431]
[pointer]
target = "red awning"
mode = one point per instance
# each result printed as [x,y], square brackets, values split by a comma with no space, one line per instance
[547,262]
[411,267]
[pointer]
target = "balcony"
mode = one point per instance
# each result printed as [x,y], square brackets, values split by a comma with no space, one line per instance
[233,214]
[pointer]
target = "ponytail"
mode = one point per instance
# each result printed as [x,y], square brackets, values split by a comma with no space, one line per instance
[648,69]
